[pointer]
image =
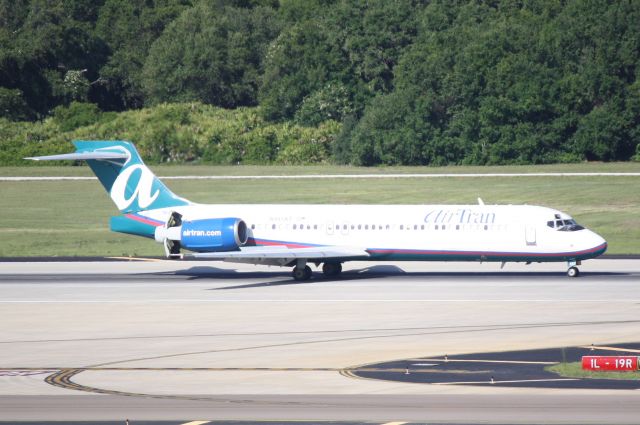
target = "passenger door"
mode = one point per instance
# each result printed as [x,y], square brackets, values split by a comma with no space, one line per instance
[530,235]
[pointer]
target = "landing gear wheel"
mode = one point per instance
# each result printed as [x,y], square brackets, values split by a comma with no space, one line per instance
[302,273]
[573,272]
[331,269]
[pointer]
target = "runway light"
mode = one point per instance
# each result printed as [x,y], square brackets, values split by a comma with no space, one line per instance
[446,358]
[406,371]
[492,380]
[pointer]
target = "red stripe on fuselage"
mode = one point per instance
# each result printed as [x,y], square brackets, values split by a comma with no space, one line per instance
[144,220]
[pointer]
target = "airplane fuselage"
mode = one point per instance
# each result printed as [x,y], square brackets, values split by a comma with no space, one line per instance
[410,232]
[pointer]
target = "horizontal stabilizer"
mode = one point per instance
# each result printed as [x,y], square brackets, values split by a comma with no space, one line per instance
[82,156]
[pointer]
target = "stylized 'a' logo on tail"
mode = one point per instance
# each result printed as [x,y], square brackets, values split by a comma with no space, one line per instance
[132,186]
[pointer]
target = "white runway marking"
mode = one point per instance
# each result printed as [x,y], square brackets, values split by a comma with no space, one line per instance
[489,361]
[503,382]
[596,347]
[296,301]
[342,176]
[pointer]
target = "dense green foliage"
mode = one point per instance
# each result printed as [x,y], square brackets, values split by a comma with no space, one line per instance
[409,81]
[171,133]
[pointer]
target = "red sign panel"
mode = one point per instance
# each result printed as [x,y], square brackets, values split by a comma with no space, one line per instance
[610,363]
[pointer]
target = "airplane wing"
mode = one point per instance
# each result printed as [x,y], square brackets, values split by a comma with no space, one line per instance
[282,254]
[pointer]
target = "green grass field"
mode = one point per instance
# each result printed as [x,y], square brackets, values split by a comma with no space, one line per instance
[38,169]
[574,370]
[70,218]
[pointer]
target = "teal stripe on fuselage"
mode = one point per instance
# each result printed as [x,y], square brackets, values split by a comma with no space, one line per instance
[124,224]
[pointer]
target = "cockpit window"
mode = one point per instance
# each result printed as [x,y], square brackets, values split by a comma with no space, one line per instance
[564,225]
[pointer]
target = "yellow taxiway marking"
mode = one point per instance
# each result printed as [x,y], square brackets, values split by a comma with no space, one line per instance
[197,423]
[596,347]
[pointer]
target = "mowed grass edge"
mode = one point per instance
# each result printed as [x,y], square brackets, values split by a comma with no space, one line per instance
[47,169]
[70,218]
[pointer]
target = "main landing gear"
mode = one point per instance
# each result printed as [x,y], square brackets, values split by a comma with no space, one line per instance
[573,270]
[331,269]
[302,272]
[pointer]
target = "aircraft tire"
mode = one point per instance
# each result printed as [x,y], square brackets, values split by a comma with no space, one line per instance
[331,269]
[302,274]
[573,272]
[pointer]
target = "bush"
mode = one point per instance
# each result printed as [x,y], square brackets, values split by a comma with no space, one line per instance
[329,103]
[12,105]
[76,115]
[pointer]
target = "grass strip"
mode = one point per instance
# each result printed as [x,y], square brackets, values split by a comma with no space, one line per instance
[574,370]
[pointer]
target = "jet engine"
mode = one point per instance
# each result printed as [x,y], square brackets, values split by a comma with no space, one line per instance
[205,235]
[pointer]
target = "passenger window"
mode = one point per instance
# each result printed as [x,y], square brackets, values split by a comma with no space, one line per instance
[294,227]
[401,227]
[273,226]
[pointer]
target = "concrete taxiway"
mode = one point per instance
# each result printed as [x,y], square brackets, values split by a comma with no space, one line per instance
[175,340]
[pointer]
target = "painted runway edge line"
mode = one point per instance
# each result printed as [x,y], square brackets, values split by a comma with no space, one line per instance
[336,176]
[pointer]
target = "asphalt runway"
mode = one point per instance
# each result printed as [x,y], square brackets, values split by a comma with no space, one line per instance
[165,340]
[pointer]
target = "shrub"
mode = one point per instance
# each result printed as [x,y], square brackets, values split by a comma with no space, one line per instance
[76,115]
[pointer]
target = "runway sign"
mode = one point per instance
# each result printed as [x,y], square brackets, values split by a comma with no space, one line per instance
[610,363]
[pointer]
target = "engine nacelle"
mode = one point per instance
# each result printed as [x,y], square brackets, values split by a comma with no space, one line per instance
[207,235]
[213,234]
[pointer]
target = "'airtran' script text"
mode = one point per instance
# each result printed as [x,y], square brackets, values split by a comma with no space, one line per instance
[460,216]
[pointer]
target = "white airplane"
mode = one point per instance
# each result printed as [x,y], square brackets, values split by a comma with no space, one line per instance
[296,235]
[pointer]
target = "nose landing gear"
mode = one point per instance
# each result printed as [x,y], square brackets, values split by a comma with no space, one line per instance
[573,271]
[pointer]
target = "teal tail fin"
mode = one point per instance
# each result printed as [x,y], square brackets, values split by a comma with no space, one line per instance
[132,186]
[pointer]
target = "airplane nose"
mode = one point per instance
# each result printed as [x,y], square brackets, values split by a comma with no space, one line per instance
[598,243]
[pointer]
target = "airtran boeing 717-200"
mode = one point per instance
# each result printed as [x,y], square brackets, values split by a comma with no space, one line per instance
[298,235]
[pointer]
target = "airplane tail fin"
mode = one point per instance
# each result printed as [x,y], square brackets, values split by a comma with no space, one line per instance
[132,186]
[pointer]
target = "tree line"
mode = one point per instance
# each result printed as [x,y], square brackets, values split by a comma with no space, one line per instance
[412,82]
